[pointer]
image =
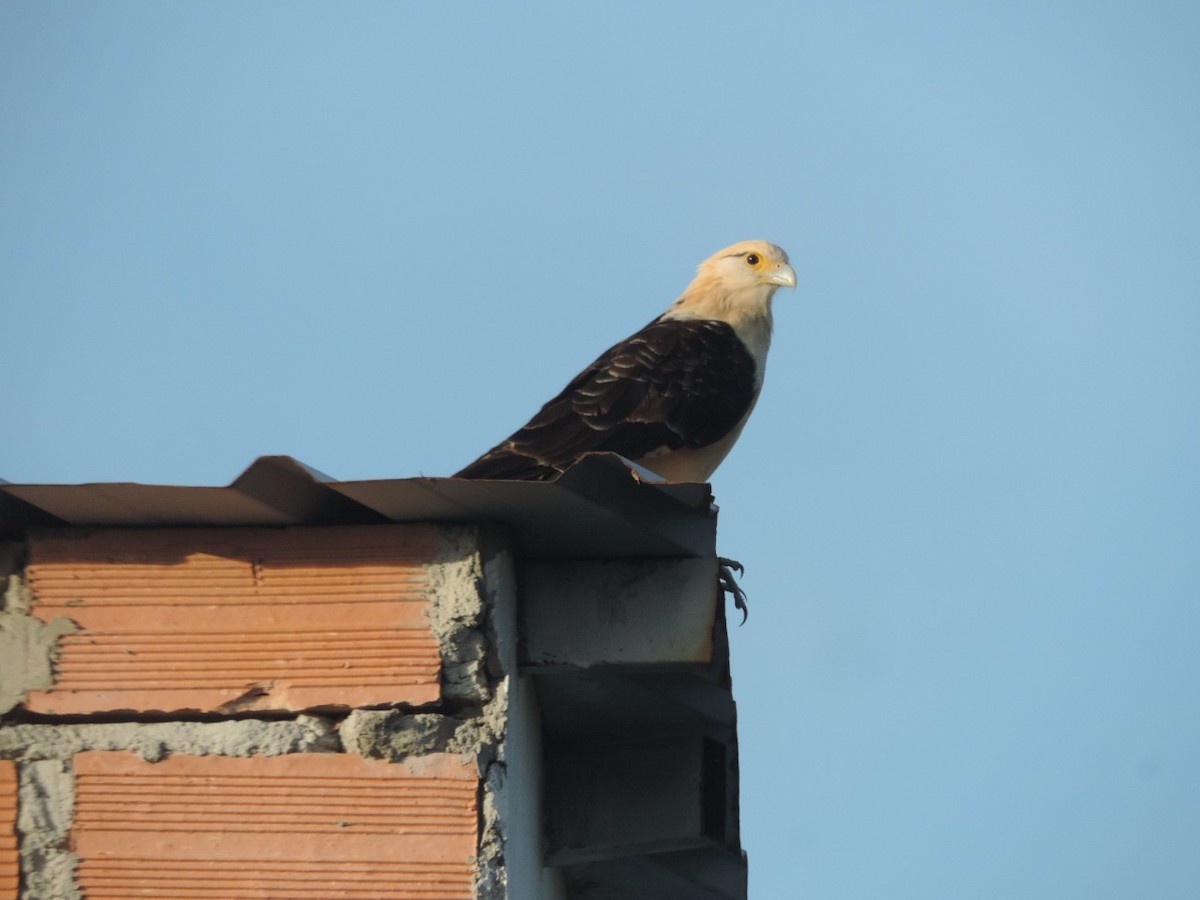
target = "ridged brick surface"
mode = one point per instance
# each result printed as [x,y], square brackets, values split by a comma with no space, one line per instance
[299,826]
[231,620]
[9,861]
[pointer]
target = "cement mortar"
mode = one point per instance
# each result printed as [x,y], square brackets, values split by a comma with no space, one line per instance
[492,883]
[490,728]
[47,803]
[457,615]
[391,735]
[28,646]
[157,740]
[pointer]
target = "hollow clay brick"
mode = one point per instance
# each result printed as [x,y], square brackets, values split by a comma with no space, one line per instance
[304,825]
[237,619]
[9,859]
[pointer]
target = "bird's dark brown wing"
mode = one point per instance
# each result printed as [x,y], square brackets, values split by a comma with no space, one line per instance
[676,383]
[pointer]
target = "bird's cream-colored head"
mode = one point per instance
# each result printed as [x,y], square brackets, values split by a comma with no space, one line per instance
[736,283]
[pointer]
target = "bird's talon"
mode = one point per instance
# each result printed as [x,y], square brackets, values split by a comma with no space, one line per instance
[730,586]
[731,564]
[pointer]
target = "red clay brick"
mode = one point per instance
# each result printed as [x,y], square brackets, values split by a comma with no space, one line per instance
[299,826]
[237,619]
[10,863]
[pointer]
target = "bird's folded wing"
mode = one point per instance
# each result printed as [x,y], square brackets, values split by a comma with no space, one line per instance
[676,383]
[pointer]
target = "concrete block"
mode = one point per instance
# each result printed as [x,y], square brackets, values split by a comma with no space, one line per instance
[703,874]
[631,799]
[624,612]
[237,620]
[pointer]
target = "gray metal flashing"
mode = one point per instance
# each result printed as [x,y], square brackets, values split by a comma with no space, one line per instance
[604,506]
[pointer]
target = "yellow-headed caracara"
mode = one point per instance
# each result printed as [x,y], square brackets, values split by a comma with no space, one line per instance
[673,397]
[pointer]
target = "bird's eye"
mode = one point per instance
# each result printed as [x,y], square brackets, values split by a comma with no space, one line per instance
[752,259]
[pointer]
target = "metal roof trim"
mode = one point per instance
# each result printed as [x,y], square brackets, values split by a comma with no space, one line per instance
[604,506]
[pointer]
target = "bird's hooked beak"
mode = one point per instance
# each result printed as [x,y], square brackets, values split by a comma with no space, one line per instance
[783,275]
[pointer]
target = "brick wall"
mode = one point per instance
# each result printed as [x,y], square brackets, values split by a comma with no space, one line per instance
[243,713]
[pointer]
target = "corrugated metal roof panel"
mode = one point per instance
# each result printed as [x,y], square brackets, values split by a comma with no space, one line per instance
[602,507]
[132,505]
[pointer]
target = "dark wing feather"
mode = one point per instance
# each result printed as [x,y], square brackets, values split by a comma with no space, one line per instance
[676,383]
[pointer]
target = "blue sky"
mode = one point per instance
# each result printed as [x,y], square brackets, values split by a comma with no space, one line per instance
[377,237]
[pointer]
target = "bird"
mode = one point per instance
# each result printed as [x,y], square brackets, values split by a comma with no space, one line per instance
[673,397]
